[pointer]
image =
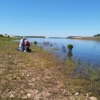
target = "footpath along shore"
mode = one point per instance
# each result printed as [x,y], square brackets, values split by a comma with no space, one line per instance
[37,75]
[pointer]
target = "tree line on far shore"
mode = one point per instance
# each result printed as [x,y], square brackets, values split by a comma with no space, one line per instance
[97,35]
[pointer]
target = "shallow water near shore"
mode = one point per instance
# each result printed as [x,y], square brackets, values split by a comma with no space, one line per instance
[87,51]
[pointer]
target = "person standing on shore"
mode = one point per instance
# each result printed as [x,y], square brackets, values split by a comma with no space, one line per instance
[22,44]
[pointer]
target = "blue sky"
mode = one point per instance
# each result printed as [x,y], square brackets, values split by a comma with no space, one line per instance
[60,18]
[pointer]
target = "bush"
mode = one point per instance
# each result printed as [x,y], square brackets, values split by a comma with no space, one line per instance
[70,46]
[1,35]
[35,42]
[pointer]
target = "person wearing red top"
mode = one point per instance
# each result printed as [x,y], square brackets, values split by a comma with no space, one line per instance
[27,45]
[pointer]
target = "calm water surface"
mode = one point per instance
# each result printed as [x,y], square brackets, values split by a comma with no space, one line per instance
[85,50]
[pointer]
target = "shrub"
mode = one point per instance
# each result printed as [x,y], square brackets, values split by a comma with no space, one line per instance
[1,35]
[35,42]
[70,46]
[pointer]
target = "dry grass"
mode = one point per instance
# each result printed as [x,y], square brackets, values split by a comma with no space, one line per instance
[34,76]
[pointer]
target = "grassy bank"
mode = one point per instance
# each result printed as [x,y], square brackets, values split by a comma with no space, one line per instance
[39,75]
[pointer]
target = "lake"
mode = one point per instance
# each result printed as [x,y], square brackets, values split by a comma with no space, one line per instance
[88,51]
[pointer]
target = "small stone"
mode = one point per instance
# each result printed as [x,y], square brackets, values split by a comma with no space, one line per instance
[92,98]
[77,93]
[24,50]
[11,96]
[28,75]
[24,97]
[29,95]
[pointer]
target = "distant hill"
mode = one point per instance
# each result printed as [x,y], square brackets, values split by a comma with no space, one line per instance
[58,37]
[42,37]
[34,36]
[74,37]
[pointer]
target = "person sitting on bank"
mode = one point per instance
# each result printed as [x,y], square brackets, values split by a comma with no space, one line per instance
[22,44]
[27,45]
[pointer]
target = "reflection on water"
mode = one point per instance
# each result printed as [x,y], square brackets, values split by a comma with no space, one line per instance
[85,50]
[69,55]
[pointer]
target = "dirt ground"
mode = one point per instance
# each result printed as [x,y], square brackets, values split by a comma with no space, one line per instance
[35,76]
